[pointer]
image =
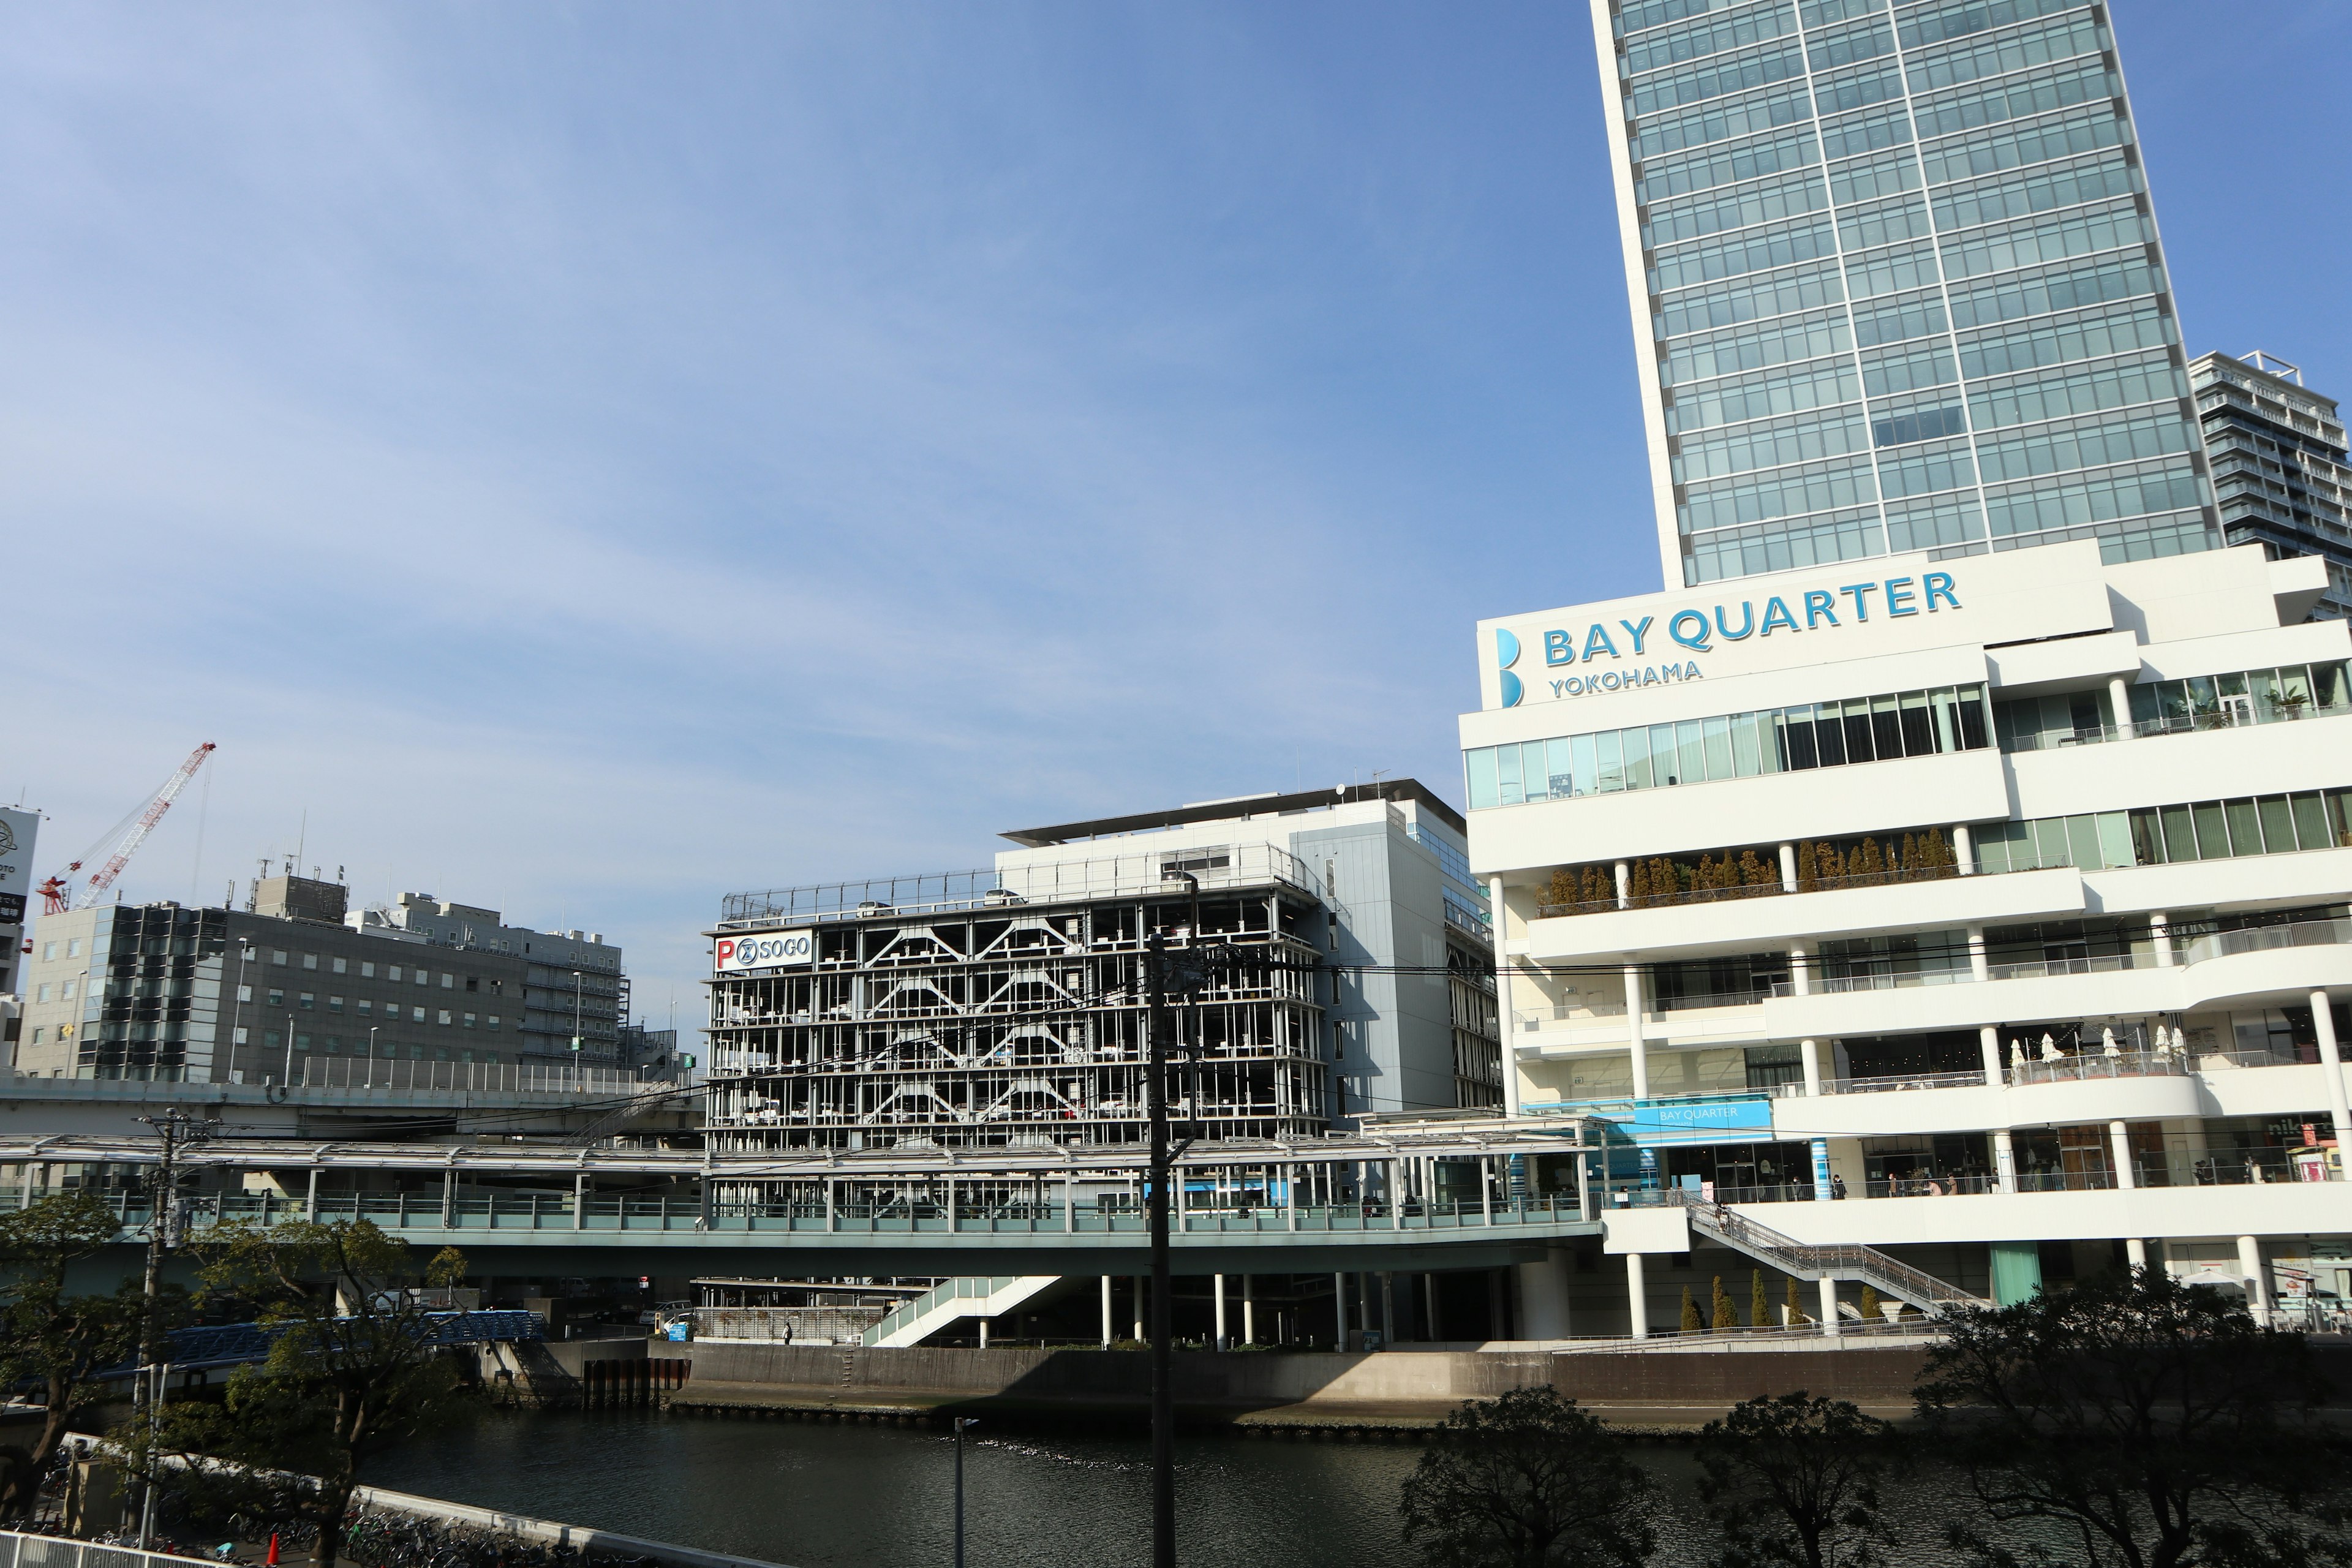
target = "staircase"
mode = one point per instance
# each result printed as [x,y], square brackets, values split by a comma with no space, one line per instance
[952,1301]
[1889,1277]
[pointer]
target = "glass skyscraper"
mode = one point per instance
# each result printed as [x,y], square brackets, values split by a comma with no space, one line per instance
[1897,283]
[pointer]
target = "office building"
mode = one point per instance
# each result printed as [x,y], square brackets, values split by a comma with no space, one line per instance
[1007,1006]
[288,990]
[18,829]
[2001,897]
[2279,465]
[1897,284]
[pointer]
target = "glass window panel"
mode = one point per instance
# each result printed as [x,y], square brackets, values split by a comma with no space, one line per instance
[2212,830]
[1886,727]
[1534,777]
[2143,703]
[1746,758]
[2083,843]
[1771,746]
[2173,695]
[1857,731]
[1992,845]
[1689,740]
[1797,733]
[1645,760]
[2332,818]
[1582,762]
[1972,718]
[1556,769]
[1829,735]
[2180,834]
[2327,685]
[1718,734]
[2294,690]
[2229,685]
[1918,726]
[2245,827]
[2201,697]
[2310,824]
[1506,761]
[2278,824]
[1947,721]
[2264,686]
[2148,839]
[1609,774]
[2115,840]
[2050,841]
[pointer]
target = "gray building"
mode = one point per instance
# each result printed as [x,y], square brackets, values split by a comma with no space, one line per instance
[286,991]
[1897,284]
[576,996]
[1006,1006]
[2279,465]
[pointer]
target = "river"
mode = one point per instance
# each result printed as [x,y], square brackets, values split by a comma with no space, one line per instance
[817,1496]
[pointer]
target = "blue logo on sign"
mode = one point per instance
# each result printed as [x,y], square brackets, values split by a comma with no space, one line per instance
[1507,654]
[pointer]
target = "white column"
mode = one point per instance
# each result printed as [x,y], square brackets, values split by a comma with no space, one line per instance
[1979,967]
[1633,1031]
[1989,1044]
[2331,1062]
[1637,1303]
[1964,848]
[1249,1311]
[1830,1324]
[1801,968]
[2258,1281]
[1788,868]
[2004,1159]
[1139,1307]
[2119,701]
[2135,1250]
[1809,1053]
[1219,1281]
[1505,1021]
[1106,1311]
[2119,1140]
[1340,1307]
[984,1333]
[2159,930]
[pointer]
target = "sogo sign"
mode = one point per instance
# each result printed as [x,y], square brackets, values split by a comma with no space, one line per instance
[768,950]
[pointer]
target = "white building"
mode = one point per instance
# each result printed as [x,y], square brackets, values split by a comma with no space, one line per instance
[2002,896]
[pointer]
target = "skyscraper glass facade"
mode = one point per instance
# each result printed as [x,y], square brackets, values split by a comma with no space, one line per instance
[1896,282]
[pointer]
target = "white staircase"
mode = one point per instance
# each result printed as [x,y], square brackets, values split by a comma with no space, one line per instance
[950,1301]
[1888,1276]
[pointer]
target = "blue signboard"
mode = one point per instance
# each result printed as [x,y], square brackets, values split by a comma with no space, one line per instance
[1682,1119]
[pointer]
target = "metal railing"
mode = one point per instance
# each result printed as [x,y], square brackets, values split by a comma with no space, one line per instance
[977,1288]
[21,1550]
[2263,939]
[2093,1064]
[2043,968]
[1878,980]
[1890,1275]
[489,1077]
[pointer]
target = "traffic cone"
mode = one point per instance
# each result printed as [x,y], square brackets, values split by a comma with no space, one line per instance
[273,1549]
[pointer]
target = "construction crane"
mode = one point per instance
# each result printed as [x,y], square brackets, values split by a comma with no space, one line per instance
[59,893]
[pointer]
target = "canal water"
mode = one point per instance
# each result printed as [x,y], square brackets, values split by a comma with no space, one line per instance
[819,1496]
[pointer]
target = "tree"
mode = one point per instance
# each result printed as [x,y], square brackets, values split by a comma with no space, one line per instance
[56,1339]
[1528,1480]
[1691,1322]
[353,1365]
[1727,1316]
[1796,1307]
[1869,1305]
[1760,1310]
[2152,1423]
[1792,1479]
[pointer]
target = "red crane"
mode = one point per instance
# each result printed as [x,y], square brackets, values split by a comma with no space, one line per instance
[58,894]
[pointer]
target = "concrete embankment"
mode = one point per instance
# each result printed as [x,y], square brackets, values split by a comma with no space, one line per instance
[1269,1390]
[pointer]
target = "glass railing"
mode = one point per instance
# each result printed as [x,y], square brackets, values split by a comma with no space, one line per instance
[2263,939]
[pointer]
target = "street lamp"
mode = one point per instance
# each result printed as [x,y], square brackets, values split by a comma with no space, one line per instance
[237,1008]
[1163,1398]
[576,1015]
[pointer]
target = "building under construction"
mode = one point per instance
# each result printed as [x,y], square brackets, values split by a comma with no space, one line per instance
[1008,1006]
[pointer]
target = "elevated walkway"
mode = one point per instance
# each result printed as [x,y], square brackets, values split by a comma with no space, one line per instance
[952,1301]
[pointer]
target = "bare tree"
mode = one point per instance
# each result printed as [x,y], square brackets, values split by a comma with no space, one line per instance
[2149,1424]
[1792,1479]
[1528,1480]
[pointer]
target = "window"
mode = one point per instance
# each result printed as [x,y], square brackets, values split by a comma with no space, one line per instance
[421,977]
[48,952]
[242,1038]
[277,956]
[392,974]
[2156,836]
[309,961]
[278,998]
[334,1003]
[449,982]
[416,1015]
[245,992]
[492,1023]
[445,1017]
[301,1042]
[473,982]
[366,1007]
[73,947]
[308,1001]
[42,993]
[36,1037]
[343,966]
[367,971]
[269,1039]
[469,1020]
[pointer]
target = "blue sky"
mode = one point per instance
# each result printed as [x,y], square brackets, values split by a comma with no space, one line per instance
[590,458]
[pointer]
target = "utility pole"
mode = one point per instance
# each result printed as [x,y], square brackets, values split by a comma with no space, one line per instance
[176,1130]
[1163,1404]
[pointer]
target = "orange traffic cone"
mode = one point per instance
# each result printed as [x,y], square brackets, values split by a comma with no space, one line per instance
[273,1549]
